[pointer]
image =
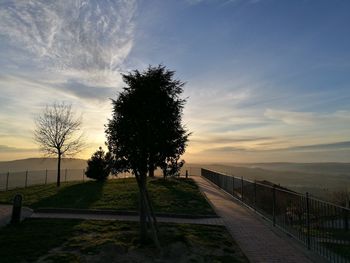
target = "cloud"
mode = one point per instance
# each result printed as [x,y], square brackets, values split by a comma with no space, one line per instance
[8,149]
[225,2]
[337,146]
[225,149]
[290,117]
[306,118]
[322,147]
[71,36]
[86,91]
[229,139]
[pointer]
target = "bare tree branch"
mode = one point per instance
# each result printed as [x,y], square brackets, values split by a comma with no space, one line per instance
[58,132]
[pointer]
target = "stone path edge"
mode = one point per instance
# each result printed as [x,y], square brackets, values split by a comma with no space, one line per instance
[117,212]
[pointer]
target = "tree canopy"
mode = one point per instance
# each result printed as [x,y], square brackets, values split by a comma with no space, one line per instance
[145,131]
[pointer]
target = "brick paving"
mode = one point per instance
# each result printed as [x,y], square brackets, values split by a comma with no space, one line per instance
[256,239]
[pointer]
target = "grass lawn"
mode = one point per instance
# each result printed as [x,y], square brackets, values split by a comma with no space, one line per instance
[177,196]
[57,240]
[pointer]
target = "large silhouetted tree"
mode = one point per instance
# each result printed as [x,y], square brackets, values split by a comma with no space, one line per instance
[58,133]
[145,130]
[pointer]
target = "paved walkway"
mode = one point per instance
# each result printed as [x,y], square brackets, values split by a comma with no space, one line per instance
[201,221]
[256,239]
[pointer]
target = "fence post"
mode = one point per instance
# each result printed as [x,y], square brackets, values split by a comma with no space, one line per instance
[308,220]
[254,194]
[242,188]
[7,180]
[26,183]
[233,185]
[274,205]
[346,219]
[83,174]
[65,175]
[45,176]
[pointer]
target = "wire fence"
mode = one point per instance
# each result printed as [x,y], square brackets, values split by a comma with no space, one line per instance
[12,180]
[321,226]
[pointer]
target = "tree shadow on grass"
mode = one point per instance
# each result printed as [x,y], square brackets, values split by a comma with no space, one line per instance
[82,196]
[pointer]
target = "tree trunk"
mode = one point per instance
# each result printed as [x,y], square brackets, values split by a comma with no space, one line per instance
[151,170]
[164,173]
[59,170]
[146,212]
[151,211]
[143,222]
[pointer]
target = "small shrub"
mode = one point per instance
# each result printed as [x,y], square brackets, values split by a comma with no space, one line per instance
[99,165]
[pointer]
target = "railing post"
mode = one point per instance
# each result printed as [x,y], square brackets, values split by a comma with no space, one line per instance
[233,185]
[308,220]
[45,176]
[7,180]
[274,205]
[346,219]
[65,175]
[83,174]
[242,188]
[26,182]
[254,194]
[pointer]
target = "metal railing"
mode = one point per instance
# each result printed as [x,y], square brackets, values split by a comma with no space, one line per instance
[321,226]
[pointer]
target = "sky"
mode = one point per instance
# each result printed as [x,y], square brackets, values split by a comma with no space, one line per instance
[266,80]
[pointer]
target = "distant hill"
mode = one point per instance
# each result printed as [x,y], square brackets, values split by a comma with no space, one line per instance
[34,164]
[319,179]
[314,168]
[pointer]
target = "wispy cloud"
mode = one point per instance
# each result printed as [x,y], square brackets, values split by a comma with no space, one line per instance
[229,139]
[290,117]
[337,146]
[322,147]
[306,118]
[8,149]
[72,37]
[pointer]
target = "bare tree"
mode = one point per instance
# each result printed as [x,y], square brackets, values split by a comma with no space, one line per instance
[58,132]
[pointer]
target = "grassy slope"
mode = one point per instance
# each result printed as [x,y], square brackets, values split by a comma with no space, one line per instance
[105,241]
[170,196]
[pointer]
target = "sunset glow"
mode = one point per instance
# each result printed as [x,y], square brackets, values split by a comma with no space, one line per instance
[266,80]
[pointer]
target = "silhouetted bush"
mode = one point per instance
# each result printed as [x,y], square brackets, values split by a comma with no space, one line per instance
[99,165]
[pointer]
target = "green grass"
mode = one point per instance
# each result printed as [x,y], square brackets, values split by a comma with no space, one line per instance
[57,240]
[178,196]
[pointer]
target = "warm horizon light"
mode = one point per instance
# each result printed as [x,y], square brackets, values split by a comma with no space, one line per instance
[266,80]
